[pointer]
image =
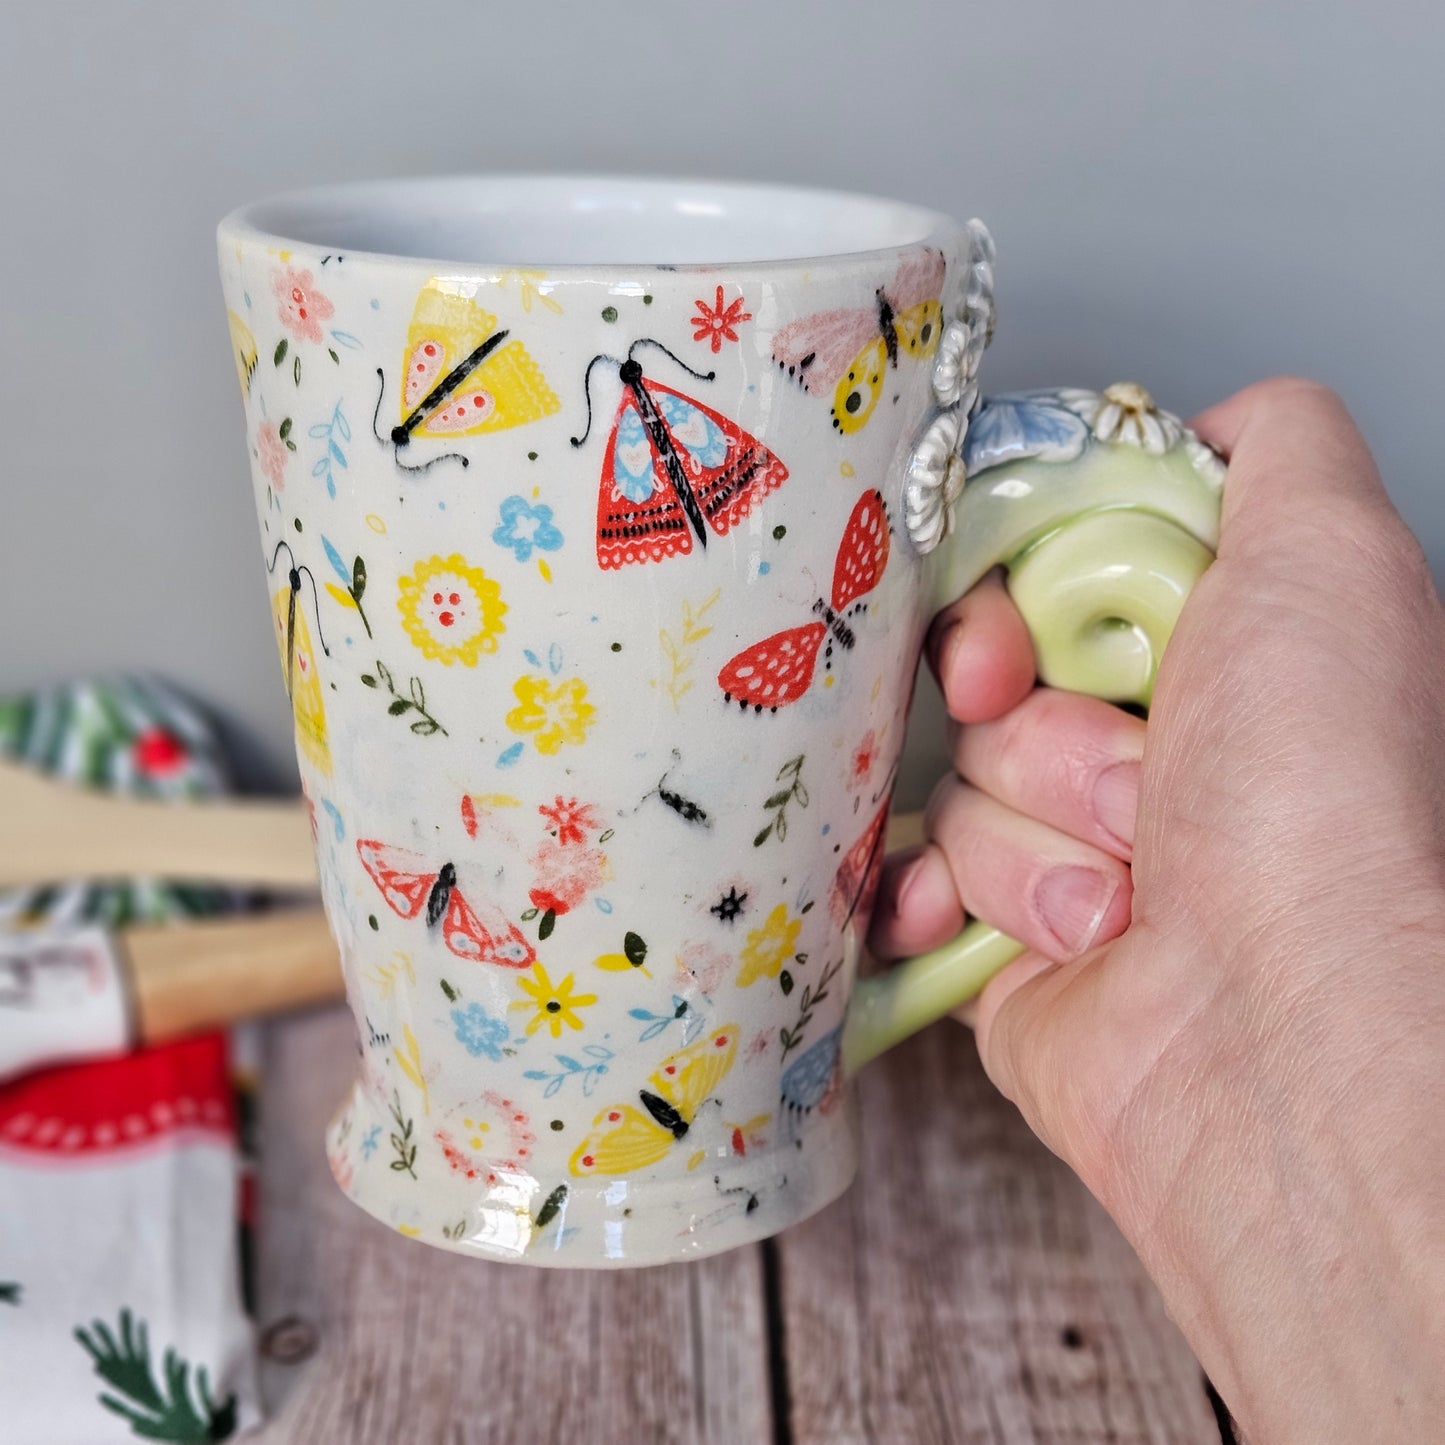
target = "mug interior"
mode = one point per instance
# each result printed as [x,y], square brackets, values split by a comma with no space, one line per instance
[587,221]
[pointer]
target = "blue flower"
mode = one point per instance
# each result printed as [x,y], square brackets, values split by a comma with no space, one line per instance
[1022,425]
[526,526]
[368,1144]
[480,1032]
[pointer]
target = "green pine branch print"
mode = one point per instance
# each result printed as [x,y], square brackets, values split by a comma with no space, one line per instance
[154,1411]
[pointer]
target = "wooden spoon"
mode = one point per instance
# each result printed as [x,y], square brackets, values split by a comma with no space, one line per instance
[51,831]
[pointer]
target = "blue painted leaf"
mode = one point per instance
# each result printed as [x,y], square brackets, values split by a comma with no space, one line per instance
[321,468]
[640,1013]
[536,1074]
[554,1086]
[510,756]
[568,1063]
[346,339]
[652,1030]
[554,658]
[531,657]
[596,1051]
[321,430]
[604,905]
[334,557]
[341,424]
[338,454]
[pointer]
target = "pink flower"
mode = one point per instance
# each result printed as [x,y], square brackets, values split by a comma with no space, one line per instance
[302,308]
[863,757]
[272,452]
[565,875]
[568,818]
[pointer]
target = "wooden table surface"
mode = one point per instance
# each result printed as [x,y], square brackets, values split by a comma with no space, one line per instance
[965,1289]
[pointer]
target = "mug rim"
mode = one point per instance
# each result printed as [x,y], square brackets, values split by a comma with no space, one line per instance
[303,216]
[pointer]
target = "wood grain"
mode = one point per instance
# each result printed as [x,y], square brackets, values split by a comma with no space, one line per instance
[969,1289]
[416,1345]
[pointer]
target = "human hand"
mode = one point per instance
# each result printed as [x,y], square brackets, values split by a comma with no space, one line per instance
[1238,1042]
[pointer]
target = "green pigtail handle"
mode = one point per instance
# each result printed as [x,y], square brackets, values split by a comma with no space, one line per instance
[1104,526]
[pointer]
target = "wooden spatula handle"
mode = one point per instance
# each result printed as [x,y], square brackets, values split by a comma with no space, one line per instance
[208,974]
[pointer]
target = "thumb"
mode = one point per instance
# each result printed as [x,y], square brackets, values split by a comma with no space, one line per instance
[1040,1026]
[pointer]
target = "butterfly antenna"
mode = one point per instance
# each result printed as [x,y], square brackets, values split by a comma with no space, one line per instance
[276,554]
[315,606]
[587,393]
[375,431]
[376,415]
[648,341]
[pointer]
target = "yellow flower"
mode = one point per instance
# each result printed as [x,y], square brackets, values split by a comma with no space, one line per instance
[769,947]
[452,611]
[555,1004]
[557,715]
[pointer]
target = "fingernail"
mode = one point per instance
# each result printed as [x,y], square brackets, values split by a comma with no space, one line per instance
[1072,902]
[914,882]
[1116,800]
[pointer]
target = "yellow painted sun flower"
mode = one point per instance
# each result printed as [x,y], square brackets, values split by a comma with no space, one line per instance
[552,1004]
[450,610]
[768,948]
[554,714]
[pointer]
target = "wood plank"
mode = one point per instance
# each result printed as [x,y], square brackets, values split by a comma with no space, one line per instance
[969,1289]
[414,1344]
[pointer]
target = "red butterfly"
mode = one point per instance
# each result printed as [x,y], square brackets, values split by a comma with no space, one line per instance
[779,669]
[855,884]
[409,886]
[673,469]
[847,351]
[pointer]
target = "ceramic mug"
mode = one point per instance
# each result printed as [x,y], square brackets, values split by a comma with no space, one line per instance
[604,520]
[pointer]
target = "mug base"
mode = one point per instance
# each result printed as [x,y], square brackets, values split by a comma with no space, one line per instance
[689,1207]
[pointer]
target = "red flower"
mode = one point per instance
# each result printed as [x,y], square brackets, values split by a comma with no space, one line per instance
[715,323]
[302,308]
[864,757]
[158,752]
[568,818]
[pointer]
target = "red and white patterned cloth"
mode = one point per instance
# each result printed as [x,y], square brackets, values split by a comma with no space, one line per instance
[121,1315]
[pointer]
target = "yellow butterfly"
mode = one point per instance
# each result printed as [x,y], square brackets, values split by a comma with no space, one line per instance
[624,1138]
[303,681]
[460,379]
[243,351]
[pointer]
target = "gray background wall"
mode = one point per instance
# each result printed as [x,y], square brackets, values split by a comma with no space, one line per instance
[1193,195]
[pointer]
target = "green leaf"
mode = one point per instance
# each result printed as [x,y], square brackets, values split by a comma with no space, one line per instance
[424,727]
[553,1202]
[400,706]
[635,948]
[548,923]
[368,679]
[333,356]
[530,914]
[806,908]
[417,695]
[290,445]
[296,369]
[801,794]
[280,355]
[284,430]
[785,982]
[358,578]
[451,993]
[762,837]
[779,800]
[605,837]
